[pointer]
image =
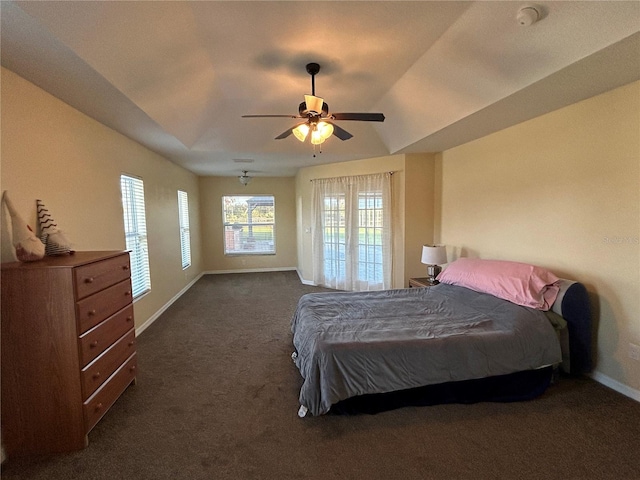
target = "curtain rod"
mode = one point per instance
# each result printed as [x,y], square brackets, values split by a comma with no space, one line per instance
[346,176]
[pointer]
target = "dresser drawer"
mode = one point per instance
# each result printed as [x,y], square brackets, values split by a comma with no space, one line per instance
[94,309]
[94,374]
[93,277]
[98,404]
[98,339]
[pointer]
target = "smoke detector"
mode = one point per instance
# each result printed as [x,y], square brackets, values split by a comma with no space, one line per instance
[528,15]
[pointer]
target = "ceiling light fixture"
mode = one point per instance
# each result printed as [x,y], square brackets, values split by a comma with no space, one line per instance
[244,179]
[319,130]
[301,131]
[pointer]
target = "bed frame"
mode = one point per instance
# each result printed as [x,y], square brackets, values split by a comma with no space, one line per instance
[572,304]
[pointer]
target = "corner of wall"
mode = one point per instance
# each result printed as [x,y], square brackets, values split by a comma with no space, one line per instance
[419,210]
[437,198]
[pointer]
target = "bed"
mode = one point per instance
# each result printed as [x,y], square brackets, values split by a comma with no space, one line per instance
[372,351]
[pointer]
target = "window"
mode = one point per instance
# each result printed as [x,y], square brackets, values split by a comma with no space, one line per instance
[335,238]
[135,232]
[370,235]
[249,224]
[352,232]
[185,234]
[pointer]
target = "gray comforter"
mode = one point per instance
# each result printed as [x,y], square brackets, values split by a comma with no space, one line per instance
[355,343]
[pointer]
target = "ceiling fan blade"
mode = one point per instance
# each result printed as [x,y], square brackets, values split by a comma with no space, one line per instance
[285,134]
[341,133]
[271,116]
[363,117]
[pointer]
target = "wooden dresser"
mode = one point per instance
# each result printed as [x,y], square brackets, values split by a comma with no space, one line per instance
[68,348]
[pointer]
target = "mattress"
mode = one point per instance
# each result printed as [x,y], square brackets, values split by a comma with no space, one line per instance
[358,343]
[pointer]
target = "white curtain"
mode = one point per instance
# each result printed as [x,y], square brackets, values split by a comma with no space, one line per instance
[352,232]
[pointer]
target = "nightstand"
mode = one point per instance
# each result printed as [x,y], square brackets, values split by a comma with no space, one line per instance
[419,282]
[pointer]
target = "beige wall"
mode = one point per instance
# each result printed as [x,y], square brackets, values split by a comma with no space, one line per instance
[560,191]
[412,208]
[419,211]
[53,152]
[212,189]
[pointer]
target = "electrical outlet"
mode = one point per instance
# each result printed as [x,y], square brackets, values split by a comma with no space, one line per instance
[634,351]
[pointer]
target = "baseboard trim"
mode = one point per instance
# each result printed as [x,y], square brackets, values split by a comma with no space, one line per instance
[303,281]
[607,381]
[155,316]
[249,270]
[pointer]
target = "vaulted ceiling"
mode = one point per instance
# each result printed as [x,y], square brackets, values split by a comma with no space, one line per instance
[178,76]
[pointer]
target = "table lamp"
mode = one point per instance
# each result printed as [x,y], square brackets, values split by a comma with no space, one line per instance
[433,256]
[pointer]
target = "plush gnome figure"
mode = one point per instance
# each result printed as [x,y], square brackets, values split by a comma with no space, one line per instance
[28,247]
[54,240]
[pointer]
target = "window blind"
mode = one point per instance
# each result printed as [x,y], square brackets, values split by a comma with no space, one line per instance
[185,234]
[135,232]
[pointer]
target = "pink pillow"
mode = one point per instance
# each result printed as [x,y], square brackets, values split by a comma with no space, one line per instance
[519,283]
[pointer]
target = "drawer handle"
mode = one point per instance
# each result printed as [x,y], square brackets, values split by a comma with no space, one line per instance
[88,280]
[93,344]
[125,267]
[127,293]
[131,344]
[98,407]
[133,368]
[96,375]
[91,313]
[129,318]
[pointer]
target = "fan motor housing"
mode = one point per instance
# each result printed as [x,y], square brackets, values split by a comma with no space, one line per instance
[302,109]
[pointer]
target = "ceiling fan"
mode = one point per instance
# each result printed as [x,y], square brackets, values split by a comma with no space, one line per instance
[318,121]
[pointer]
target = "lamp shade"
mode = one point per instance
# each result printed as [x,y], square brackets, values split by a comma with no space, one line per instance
[322,131]
[434,254]
[301,131]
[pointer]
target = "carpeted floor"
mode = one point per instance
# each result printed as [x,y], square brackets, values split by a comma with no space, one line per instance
[216,398]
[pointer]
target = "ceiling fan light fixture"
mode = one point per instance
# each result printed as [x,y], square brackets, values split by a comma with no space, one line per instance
[301,131]
[316,139]
[244,179]
[322,131]
[316,112]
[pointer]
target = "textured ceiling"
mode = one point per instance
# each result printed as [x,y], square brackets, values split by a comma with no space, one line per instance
[178,76]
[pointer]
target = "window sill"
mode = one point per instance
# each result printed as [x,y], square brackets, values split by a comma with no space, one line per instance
[242,254]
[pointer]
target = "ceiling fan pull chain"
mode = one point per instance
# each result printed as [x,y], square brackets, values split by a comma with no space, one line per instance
[319,150]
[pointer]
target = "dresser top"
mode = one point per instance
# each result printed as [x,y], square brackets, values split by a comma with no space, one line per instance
[64,261]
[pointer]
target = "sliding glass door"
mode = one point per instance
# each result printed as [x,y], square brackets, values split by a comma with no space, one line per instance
[352,232]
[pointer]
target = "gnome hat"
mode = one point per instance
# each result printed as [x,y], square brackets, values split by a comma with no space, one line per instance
[28,247]
[54,240]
